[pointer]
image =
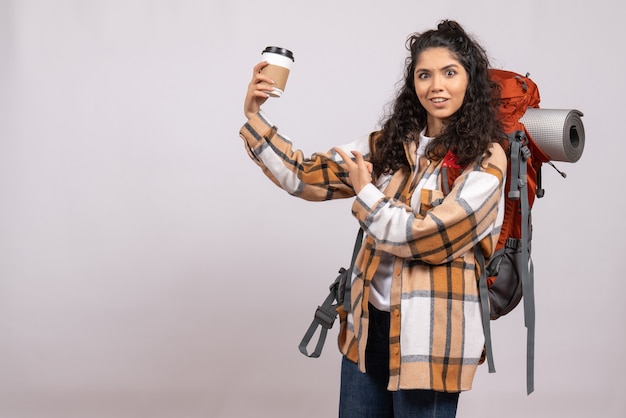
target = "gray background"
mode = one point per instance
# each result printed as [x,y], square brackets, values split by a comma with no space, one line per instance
[148,269]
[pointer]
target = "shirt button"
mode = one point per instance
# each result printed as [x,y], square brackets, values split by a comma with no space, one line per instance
[396,350]
[398,271]
[396,312]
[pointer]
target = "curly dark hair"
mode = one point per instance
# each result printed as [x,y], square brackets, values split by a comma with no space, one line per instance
[469,132]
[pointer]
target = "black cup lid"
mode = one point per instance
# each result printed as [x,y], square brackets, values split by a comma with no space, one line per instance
[278,50]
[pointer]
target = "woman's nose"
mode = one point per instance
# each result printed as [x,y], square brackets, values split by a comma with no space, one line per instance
[437,83]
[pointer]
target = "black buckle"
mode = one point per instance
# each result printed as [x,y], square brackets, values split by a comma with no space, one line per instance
[326,317]
[513,243]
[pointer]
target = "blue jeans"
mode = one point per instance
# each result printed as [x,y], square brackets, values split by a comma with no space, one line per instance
[365,395]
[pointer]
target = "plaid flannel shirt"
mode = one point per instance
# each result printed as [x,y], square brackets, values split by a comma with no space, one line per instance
[436,334]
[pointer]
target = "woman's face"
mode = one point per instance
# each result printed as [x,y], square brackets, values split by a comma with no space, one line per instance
[440,84]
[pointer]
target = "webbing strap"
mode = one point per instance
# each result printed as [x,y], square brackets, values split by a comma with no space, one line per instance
[446,184]
[355,252]
[514,186]
[484,306]
[526,269]
[326,314]
[324,317]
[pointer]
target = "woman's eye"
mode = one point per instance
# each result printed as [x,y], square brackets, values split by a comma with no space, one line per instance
[450,73]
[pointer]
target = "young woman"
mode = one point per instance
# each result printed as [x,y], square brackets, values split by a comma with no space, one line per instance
[414,336]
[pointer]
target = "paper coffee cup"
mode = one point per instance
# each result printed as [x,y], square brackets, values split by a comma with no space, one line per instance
[279,62]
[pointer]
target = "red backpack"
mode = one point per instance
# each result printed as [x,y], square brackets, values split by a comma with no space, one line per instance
[508,275]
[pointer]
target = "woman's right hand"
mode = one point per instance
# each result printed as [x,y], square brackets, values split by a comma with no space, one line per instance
[257,91]
[359,170]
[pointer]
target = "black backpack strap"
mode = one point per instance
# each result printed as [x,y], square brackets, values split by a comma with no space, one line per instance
[326,314]
[348,285]
[526,269]
[324,317]
[484,306]
[446,181]
[519,155]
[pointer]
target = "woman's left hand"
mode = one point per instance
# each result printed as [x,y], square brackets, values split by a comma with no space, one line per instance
[360,171]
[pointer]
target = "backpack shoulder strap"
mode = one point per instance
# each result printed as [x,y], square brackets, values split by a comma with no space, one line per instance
[525,266]
[326,313]
[520,153]
[483,294]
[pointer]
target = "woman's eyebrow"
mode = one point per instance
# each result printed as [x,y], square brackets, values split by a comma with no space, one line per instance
[447,67]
